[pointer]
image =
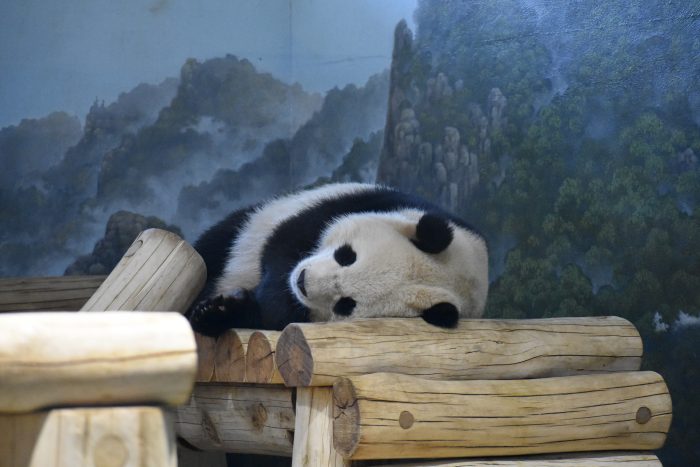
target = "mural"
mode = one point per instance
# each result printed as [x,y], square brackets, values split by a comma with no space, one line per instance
[568,132]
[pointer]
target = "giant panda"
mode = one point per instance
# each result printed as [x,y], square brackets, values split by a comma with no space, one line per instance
[339,251]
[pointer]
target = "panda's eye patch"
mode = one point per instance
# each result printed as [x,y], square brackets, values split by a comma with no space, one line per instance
[344,306]
[345,255]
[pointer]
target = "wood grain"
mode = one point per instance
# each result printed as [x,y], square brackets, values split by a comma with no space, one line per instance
[159,272]
[231,418]
[53,358]
[314,354]
[313,432]
[64,293]
[95,437]
[498,418]
[601,459]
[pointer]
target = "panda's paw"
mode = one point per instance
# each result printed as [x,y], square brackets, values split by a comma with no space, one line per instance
[210,317]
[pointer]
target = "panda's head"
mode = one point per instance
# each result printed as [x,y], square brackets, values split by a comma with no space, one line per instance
[400,264]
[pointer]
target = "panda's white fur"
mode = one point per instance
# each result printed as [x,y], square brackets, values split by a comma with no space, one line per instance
[243,269]
[255,259]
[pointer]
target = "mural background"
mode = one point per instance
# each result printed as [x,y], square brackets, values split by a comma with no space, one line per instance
[568,132]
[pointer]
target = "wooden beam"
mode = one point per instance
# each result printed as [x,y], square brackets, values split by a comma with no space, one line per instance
[64,293]
[600,459]
[95,437]
[313,430]
[159,272]
[389,416]
[313,354]
[245,419]
[58,359]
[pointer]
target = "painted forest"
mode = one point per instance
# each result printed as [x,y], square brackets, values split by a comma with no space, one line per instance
[569,133]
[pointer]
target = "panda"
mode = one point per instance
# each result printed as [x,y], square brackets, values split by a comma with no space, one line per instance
[346,250]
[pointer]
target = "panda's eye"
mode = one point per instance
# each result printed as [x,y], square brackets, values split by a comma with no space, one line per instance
[344,306]
[345,255]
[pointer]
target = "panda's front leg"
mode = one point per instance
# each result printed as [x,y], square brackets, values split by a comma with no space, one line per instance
[215,315]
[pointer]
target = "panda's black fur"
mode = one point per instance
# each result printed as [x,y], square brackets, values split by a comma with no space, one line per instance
[271,305]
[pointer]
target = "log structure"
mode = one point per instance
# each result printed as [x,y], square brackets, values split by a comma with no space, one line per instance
[248,419]
[260,358]
[62,293]
[159,272]
[315,355]
[60,359]
[388,416]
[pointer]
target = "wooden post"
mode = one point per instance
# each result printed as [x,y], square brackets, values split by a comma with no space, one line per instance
[314,354]
[313,430]
[58,359]
[246,419]
[389,416]
[95,437]
[159,272]
[64,293]
[600,459]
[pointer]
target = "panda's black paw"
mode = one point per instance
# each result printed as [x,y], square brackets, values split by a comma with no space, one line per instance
[211,317]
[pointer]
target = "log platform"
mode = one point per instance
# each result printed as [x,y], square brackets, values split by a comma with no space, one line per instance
[91,389]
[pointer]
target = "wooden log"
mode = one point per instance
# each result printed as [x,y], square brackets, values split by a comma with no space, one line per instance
[96,437]
[388,416]
[313,430]
[315,354]
[230,356]
[64,293]
[159,272]
[50,359]
[205,357]
[245,419]
[601,459]
[260,364]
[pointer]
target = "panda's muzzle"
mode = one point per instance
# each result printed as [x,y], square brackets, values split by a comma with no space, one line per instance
[300,282]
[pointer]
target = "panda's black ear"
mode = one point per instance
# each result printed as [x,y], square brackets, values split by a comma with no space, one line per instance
[433,234]
[444,315]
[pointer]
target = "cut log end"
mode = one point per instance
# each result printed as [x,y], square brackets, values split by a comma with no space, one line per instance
[259,364]
[205,361]
[293,357]
[229,358]
[346,416]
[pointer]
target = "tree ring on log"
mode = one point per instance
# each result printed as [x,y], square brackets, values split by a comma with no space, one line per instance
[293,357]
[259,364]
[346,417]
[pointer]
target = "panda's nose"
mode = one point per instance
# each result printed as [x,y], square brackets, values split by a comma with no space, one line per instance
[300,282]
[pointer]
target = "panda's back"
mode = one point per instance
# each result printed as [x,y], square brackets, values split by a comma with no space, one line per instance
[242,269]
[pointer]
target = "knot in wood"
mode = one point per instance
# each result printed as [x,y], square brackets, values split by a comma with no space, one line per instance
[259,416]
[643,415]
[406,420]
[110,451]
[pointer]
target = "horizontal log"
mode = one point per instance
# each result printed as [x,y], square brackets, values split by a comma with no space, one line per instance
[260,366]
[64,293]
[95,437]
[51,359]
[313,354]
[389,416]
[245,419]
[602,459]
[159,272]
